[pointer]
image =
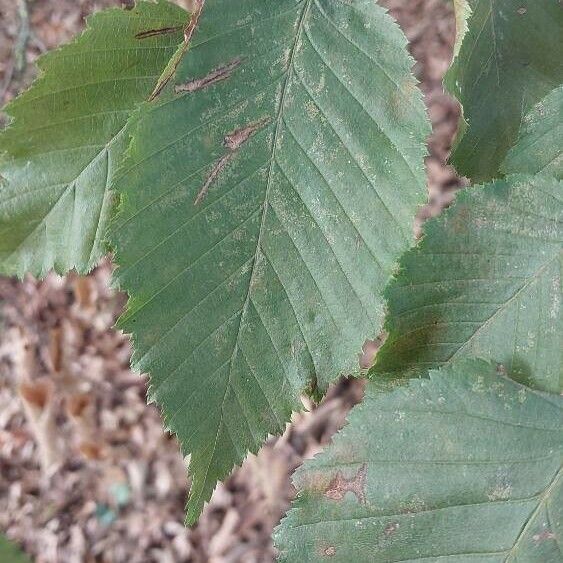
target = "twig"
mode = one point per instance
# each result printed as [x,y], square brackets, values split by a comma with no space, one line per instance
[22,38]
[9,75]
[18,63]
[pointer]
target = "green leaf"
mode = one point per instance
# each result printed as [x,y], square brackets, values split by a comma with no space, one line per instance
[484,281]
[10,553]
[540,142]
[509,59]
[265,201]
[67,138]
[464,467]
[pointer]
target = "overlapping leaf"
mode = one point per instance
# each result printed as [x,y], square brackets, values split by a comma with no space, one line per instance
[265,201]
[67,137]
[484,281]
[464,466]
[509,59]
[540,142]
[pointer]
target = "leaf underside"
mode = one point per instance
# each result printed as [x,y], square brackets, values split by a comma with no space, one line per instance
[463,467]
[539,148]
[484,281]
[67,138]
[509,59]
[294,133]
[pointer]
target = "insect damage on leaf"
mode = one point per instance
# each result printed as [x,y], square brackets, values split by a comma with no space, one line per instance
[233,141]
[340,485]
[172,67]
[448,459]
[217,75]
[156,32]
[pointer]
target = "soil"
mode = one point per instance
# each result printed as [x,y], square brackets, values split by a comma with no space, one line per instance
[87,472]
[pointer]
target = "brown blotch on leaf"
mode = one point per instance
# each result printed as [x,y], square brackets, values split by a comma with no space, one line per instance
[217,75]
[370,349]
[391,528]
[339,486]
[233,141]
[219,165]
[330,551]
[157,32]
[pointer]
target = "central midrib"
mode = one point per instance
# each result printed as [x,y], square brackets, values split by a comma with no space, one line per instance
[269,179]
[306,7]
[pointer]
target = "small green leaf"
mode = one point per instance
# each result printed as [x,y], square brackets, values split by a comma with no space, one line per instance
[540,143]
[509,59]
[484,281]
[10,553]
[68,135]
[265,201]
[462,467]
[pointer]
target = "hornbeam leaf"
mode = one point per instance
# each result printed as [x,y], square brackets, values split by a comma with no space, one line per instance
[265,200]
[462,467]
[509,59]
[67,137]
[540,143]
[484,281]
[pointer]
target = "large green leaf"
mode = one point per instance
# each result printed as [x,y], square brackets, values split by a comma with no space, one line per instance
[509,59]
[484,281]
[463,467]
[540,143]
[265,201]
[67,137]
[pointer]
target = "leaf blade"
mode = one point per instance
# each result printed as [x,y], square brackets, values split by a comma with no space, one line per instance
[485,280]
[458,467]
[540,141]
[68,135]
[265,283]
[507,63]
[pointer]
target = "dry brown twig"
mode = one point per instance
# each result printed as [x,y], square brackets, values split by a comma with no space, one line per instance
[19,60]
